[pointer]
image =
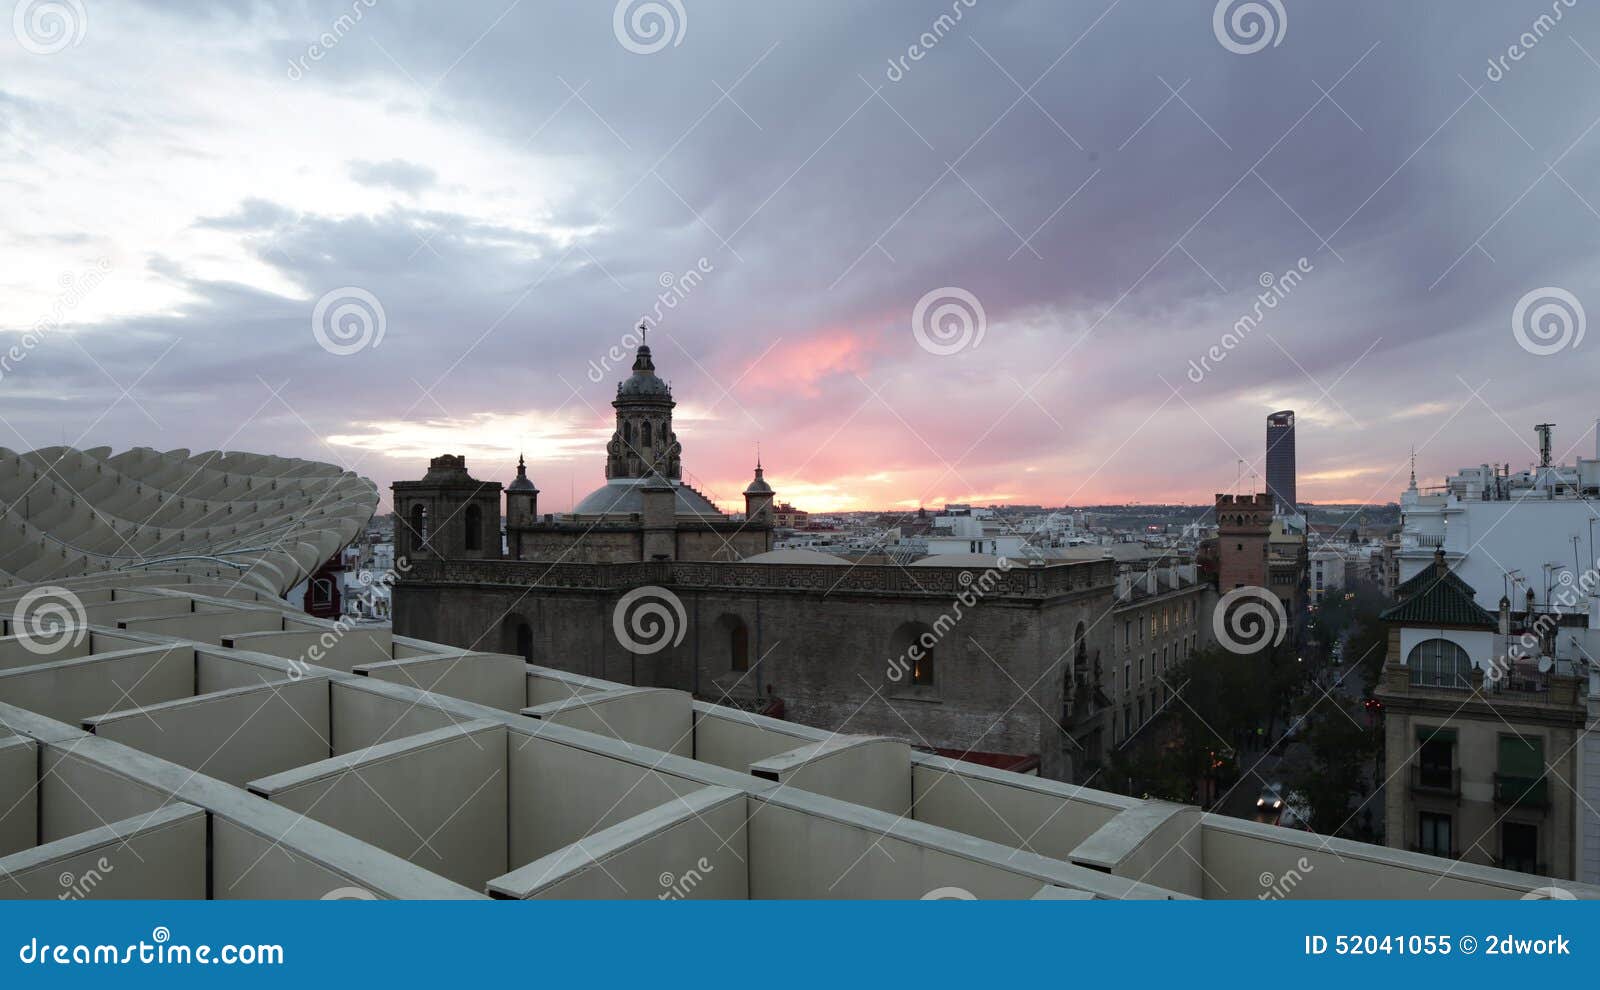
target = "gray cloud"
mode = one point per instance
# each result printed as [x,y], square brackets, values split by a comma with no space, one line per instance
[407,177]
[1113,230]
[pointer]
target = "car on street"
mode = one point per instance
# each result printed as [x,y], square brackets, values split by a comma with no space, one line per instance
[1269,805]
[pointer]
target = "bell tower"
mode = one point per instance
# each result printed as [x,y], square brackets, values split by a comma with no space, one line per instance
[448,514]
[522,508]
[643,441]
[758,499]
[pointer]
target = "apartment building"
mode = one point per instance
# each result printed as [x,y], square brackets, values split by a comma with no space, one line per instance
[1161,617]
[1521,542]
[1481,742]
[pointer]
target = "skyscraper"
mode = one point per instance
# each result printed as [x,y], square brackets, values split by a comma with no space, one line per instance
[1280,459]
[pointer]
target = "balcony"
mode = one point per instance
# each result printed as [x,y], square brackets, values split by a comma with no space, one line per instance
[1444,781]
[1519,677]
[1521,792]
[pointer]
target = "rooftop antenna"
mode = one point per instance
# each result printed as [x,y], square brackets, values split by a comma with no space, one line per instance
[1550,569]
[1544,430]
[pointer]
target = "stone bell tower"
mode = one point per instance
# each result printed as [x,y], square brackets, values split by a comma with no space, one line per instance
[644,441]
[758,499]
[522,508]
[448,513]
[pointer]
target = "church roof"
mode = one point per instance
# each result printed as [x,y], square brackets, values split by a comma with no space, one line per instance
[625,496]
[1435,596]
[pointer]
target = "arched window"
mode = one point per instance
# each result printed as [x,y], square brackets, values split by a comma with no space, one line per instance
[419,524]
[627,432]
[1439,663]
[516,637]
[321,592]
[472,519]
[644,433]
[735,638]
[913,647]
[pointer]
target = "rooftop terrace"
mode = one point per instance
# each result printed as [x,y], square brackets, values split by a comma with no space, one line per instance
[189,725]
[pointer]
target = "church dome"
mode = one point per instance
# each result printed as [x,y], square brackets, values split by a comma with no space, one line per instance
[625,496]
[521,483]
[759,486]
[644,386]
[643,383]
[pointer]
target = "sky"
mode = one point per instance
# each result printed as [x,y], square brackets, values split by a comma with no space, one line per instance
[1054,252]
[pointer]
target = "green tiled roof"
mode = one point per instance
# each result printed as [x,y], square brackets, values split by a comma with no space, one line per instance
[1435,596]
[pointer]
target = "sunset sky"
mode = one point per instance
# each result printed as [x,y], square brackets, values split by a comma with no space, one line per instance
[517,183]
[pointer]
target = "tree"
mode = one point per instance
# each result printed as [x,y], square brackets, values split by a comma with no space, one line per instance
[1368,638]
[1218,701]
[1338,769]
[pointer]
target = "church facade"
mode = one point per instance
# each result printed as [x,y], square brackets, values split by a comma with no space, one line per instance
[644,511]
[955,654]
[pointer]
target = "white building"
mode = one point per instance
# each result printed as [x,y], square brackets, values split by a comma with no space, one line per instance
[1333,568]
[1327,573]
[366,582]
[1524,542]
[972,533]
[1503,533]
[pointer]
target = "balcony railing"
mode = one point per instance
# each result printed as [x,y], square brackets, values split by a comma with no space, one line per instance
[1436,780]
[1450,680]
[1521,792]
[1518,678]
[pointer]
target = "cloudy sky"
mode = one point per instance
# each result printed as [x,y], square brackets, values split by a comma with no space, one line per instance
[919,251]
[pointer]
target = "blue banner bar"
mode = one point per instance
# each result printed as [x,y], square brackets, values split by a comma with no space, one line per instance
[784,944]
